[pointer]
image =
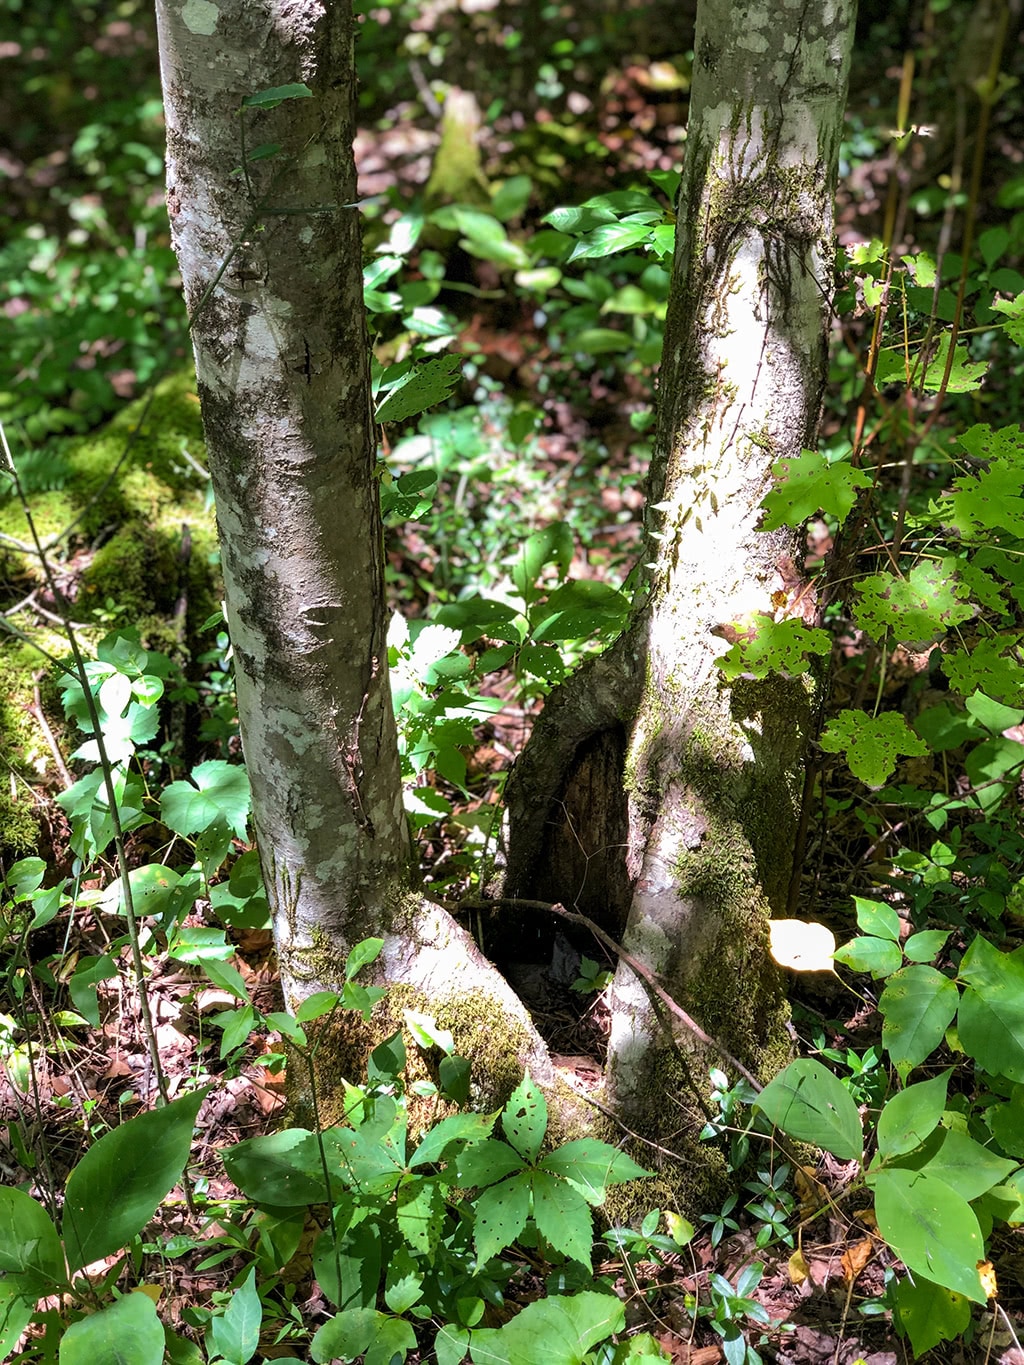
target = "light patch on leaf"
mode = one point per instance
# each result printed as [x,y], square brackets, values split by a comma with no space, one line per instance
[801,945]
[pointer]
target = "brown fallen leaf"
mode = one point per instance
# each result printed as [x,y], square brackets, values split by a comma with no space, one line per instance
[855,1258]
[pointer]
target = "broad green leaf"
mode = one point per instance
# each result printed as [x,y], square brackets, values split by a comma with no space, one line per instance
[281,1169]
[525,1119]
[555,1331]
[994,768]
[915,609]
[918,1005]
[965,375]
[17,1309]
[275,95]
[931,1229]
[877,918]
[345,1336]
[423,388]
[117,1186]
[910,1115]
[501,1213]
[451,1345]
[776,647]
[591,1166]
[928,1313]
[961,1163]
[808,1102]
[126,1332]
[1006,1120]
[809,484]
[991,1020]
[420,1212]
[879,956]
[562,1217]
[454,1075]
[551,545]
[29,1245]
[365,952]
[217,791]
[926,945]
[403,1283]
[316,1005]
[990,665]
[235,1333]
[610,238]
[82,986]
[457,1128]
[872,745]
[487,1162]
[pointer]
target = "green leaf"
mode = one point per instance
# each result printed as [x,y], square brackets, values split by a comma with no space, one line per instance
[126,1332]
[315,1006]
[17,1309]
[913,610]
[403,1283]
[810,484]
[910,1115]
[235,1333]
[965,375]
[276,94]
[918,1005]
[29,1245]
[879,956]
[117,1186]
[928,1313]
[877,918]
[551,545]
[387,1060]
[485,1163]
[562,1217]
[776,647]
[422,388]
[220,792]
[871,744]
[808,1102]
[961,1163]
[451,1345]
[610,238]
[345,1336]
[457,1128]
[989,665]
[525,1119]
[420,1213]
[501,1213]
[991,1020]
[454,1076]
[591,1166]
[361,956]
[926,945]
[557,1331]
[931,1229]
[280,1169]
[1006,1121]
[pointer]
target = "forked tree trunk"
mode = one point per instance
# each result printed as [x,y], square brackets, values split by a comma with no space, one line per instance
[270,256]
[652,795]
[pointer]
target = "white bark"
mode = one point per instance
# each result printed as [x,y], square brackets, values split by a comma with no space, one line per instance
[272,270]
[713,771]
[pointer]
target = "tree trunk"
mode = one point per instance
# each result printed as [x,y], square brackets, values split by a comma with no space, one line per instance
[646,750]
[270,257]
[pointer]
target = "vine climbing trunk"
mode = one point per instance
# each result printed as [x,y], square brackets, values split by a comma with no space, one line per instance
[680,789]
[260,106]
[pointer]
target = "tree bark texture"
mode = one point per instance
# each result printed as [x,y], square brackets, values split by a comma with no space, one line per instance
[710,774]
[270,256]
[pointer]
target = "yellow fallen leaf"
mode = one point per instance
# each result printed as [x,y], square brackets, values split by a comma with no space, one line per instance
[802,945]
[855,1258]
[987,1271]
[151,1291]
[798,1268]
[809,1190]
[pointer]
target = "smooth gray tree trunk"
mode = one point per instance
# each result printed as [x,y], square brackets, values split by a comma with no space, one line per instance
[270,257]
[653,796]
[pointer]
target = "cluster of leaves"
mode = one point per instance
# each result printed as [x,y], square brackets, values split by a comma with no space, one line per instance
[943,1168]
[426,1229]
